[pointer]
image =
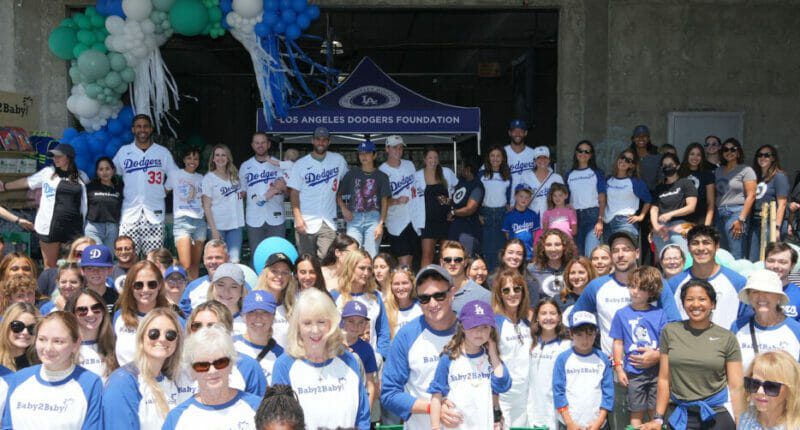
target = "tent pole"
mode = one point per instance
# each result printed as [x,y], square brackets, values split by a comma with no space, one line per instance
[479,141]
[455,157]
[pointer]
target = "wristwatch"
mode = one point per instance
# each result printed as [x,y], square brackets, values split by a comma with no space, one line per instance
[658,418]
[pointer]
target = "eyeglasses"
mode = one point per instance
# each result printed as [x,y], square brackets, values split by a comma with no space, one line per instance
[139,285]
[728,149]
[771,388]
[583,151]
[450,260]
[507,290]
[169,335]
[707,144]
[426,298]
[626,159]
[96,309]
[764,155]
[176,281]
[205,366]
[18,326]
[123,248]
[198,325]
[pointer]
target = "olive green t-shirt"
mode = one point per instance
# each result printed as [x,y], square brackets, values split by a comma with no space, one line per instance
[697,359]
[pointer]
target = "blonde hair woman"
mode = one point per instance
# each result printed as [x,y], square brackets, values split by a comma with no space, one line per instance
[315,356]
[401,301]
[277,279]
[16,336]
[772,382]
[222,200]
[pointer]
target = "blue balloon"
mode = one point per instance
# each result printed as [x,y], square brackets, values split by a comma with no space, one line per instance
[279,27]
[70,133]
[80,145]
[261,29]
[303,21]
[127,136]
[313,11]
[299,5]
[226,6]
[115,126]
[270,246]
[115,143]
[270,18]
[101,7]
[126,116]
[271,5]
[114,7]
[96,146]
[102,135]
[84,164]
[288,16]
[293,31]
[285,4]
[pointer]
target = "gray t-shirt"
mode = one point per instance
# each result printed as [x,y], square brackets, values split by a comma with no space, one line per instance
[769,191]
[730,186]
[469,292]
[364,191]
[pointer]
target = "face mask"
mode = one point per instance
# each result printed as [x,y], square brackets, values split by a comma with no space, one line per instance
[669,170]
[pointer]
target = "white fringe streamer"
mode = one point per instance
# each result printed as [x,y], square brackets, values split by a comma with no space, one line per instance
[153,90]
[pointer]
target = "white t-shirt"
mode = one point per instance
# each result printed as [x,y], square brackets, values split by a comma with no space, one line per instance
[48,182]
[539,202]
[255,178]
[496,195]
[519,163]
[317,182]
[226,202]
[515,347]
[144,174]
[187,189]
[91,360]
[401,181]
[541,411]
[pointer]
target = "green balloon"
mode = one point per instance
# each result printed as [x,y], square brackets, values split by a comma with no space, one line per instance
[128,75]
[100,46]
[188,17]
[113,79]
[93,64]
[90,11]
[62,42]
[121,88]
[78,50]
[117,61]
[97,21]
[214,14]
[86,37]
[93,90]
[75,75]
[68,22]
[83,22]
[163,5]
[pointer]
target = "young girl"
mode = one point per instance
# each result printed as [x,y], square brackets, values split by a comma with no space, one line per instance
[189,228]
[227,287]
[549,340]
[470,370]
[601,260]
[69,281]
[401,303]
[222,201]
[104,201]
[382,266]
[577,275]
[97,336]
[558,215]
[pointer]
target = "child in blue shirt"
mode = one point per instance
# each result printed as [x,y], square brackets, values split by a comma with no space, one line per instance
[354,324]
[636,326]
[470,370]
[583,386]
[521,223]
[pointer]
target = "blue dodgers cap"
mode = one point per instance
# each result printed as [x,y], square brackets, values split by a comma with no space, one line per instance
[321,133]
[580,318]
[354,309]
[517,123]
[476,313]
[175,269]
[96,256]
[259,300]
[523,187]
[641,130]
[366,146]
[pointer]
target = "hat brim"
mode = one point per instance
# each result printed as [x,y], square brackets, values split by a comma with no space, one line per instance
[55,153]
[354,315]
[473,322]
[745,293]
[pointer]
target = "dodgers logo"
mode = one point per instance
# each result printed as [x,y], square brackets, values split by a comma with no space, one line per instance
[95,254]
[478,310]
[761,190]
[369,97]
[402,184]
[459,195]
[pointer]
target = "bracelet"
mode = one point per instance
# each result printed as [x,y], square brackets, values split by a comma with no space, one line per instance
[429,408]
[17,221]
[562,410]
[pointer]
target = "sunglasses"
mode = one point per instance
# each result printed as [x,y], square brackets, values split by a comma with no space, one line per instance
[626,159]
[771,388]
[728,149]
[123,248]
[764,155]
[205,366]
[583,151]
[450,260]
[18,326]
[507,290]
[426,298]
[139,285]
[169,335]
[198,325]
[82,311]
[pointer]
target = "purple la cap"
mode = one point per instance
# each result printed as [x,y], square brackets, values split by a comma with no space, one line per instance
[476,313]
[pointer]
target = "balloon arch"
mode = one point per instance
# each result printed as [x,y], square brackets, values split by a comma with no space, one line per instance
[113,48]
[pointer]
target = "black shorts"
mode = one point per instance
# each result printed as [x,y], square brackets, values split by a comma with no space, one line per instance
[407,243]
[642,390]
[63,232]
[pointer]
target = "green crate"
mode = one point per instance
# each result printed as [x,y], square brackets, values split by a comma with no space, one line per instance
[17,241]
[389,427]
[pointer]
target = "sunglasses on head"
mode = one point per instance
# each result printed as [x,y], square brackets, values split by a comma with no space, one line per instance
[626,159]
[169,335]
[771,388]
[139,285]
[205,366]
[507,290]
[728,149]
[450,260]
[82,311]
[583,151]
[764,155]
[198,325]
[426,298]
[18,326]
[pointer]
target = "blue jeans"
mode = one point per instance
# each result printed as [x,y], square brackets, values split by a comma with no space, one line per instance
[620,223]
[104,233]
[726,216]
[754,237]
[362,229]
[586,239]
[233,239]
[672,237]
[493,237]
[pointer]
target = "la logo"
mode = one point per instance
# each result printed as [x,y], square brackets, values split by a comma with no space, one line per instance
[478,310]
[259,298]
[357,306]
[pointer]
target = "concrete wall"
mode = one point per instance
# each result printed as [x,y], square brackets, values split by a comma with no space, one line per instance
[621,62]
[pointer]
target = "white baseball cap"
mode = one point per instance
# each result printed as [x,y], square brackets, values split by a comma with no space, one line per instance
[394,140]
[541,151]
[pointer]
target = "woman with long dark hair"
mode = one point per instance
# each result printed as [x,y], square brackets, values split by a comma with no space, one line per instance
[434,188]
[496,178]
[513,256]
[587,188]
[674,203]
[104,197]
[97,335]
[736,195]
[550,257]
[773,186]
[694,168]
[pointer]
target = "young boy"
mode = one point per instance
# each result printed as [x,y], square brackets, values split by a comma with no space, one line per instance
[583,387]
[354,324]
[521,223]
[635,326]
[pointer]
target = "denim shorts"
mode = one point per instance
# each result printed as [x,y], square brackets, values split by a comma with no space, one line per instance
[195,228]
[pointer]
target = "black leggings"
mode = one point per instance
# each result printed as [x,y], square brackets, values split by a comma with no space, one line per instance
[722,421]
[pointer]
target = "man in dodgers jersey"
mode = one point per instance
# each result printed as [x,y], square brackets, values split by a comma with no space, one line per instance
[264,185]
[144,166]
[313,183]
[520,156]
[414,353]
[402,237]
[703,244]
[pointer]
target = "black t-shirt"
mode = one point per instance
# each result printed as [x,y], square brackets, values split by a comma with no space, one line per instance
[105,202]
[67,205]
[670,197]
[110,296]
[464,192]
[701,179]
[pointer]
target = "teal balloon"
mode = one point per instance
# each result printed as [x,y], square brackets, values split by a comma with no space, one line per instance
[270,246]
[90,11]
[97,21]
[93,90]
[93,64]
[75,74]
[121,88]
[79,49]
[113,79]
[62,42]
[117,61]
[188,17]
[86,37]
[128,75]
[163,5]
[68,22]
[100,46]
[724,258]
[83,22]
[215,14]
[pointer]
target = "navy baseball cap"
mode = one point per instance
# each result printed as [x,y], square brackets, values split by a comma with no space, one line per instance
[641,130]
[62,149]
[96,256]
[175,269]
[321,133]
[518,123]
[366,146]
[354,309]
[259,300]
[523,187]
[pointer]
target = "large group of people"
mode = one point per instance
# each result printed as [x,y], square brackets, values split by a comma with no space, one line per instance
[583,301]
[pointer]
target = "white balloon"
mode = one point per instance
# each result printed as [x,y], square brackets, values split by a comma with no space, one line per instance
[248,8]
[148,26]
[140,51]
[85,107]
[137,10]
[114,24]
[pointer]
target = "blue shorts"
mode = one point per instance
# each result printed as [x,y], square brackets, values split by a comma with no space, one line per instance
[195,228]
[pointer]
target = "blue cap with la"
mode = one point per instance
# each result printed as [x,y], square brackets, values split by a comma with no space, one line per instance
[518,123]
[366,146]
[259,300]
